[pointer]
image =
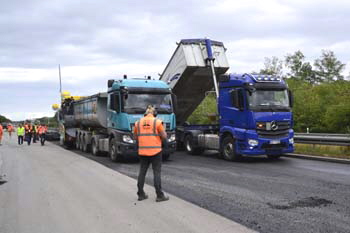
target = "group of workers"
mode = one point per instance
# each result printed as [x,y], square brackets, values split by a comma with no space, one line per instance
[26,132]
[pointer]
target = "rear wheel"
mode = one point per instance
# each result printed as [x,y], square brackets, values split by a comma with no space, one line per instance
[229,149]
[190,148]
[86,146]
[94,148]
[77,141]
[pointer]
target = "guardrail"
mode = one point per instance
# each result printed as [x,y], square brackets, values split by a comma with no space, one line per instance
[322,139]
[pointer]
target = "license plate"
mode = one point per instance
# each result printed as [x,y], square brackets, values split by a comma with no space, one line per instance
[275,142]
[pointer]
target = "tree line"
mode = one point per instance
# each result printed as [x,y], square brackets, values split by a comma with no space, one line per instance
[321,92]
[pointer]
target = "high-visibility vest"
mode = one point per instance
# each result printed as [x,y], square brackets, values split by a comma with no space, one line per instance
[20,131]
[148,135]
[42,129]
[9,128]
[1,129]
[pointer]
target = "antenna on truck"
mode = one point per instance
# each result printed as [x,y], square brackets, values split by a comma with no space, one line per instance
[59,74]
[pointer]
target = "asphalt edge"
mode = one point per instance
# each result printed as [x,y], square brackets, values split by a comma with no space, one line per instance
[319,158]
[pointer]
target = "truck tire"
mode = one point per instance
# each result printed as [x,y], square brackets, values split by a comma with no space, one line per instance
[81,143]
[229,149]
[165,156]
[77,141]
[113,151]
[86,145]
[190,148]
[94,148]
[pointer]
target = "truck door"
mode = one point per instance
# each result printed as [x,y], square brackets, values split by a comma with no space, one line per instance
[114,108]
[233,108]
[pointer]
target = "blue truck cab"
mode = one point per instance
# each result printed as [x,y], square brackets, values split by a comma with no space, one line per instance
[255,116]
[127,102]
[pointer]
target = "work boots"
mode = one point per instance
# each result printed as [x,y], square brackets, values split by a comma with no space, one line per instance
[162,198]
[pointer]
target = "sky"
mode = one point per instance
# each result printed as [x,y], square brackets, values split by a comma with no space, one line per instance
[94,41]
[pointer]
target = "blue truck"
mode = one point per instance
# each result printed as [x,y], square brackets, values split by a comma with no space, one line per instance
[104,122]
[254,111]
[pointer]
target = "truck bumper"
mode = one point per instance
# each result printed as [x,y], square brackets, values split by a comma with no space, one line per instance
[130,150]
[266,146]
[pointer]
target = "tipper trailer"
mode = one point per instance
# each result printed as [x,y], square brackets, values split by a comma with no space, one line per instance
[254,111]
[104,122]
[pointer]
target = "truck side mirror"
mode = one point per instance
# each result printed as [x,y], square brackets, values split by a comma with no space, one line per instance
[174,101]
[291,98]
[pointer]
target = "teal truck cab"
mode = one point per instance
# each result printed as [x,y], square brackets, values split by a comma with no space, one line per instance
[104,122]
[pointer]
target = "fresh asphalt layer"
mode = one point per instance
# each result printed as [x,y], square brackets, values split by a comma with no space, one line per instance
[285,195]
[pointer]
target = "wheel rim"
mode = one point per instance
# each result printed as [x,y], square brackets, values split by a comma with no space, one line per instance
[188,145]
[228,149]
[113,151]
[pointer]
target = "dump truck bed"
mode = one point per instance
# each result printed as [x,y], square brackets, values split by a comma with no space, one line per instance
[189,75]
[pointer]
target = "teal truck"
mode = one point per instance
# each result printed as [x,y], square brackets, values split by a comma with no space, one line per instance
[104,122]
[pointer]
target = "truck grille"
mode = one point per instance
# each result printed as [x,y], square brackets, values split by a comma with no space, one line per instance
[267,132]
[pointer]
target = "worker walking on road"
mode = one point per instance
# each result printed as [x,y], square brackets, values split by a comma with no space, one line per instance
[149,132]
[35,133]
[28,133]
[1,133]
[10,129]
[20,134]
[42,130]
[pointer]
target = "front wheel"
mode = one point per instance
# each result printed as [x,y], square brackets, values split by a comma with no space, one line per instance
[165,156]
[114,153]
[229,149]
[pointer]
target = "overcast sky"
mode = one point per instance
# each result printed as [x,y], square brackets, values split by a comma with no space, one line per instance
[98,40]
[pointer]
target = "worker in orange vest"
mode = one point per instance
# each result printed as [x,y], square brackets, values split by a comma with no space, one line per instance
[28,132]
[1,133]
[149,132]
[42,130]
[10,129]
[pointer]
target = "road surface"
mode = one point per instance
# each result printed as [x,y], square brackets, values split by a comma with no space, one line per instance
[287,195]
[50,189]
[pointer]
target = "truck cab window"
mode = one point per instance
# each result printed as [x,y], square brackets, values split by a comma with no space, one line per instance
[114,102]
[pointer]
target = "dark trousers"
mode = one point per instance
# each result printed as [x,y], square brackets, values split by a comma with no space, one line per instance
[42,139]
[156,162]
[34,137]
[20,140]
[28,138]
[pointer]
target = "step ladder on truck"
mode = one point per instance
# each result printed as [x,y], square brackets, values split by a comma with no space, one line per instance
[254,111]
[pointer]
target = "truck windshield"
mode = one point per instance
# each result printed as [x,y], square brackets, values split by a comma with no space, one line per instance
[269,100]
[137,103]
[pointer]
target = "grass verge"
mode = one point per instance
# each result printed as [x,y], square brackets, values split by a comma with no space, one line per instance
[323,150]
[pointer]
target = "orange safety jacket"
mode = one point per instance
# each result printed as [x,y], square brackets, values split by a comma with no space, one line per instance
[148,135]
[1,130]
[42,129]
[9,128]
[28,129]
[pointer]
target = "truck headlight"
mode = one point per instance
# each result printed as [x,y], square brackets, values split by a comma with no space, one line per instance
[253,142]
[127,139]
[172,138]
[291,141]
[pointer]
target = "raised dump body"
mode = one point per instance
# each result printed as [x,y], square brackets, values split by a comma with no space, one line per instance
[189,74]
[91,111]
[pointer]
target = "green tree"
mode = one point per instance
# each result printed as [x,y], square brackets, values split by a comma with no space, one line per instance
[273,66]
[4,119]
[299,69]
[328,68]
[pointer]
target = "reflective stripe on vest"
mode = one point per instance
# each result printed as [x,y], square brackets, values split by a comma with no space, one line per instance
[149,141]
